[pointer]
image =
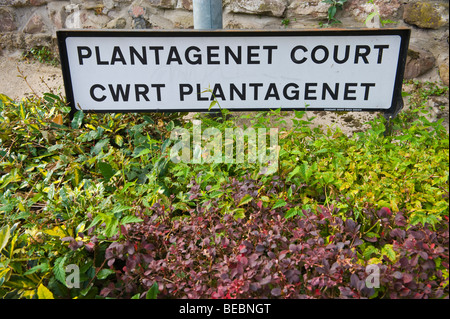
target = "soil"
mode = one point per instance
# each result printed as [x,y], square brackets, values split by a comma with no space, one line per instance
[21,78]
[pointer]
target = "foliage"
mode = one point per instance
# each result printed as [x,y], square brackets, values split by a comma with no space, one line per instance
[211,255]
[287,21]
[418,98]
[335,5]
[376,15]
[57,177]
[43,54]
[99,191]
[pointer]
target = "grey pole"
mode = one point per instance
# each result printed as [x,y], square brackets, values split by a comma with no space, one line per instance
[207,14]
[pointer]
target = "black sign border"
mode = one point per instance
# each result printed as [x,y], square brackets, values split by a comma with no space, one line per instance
[396,104]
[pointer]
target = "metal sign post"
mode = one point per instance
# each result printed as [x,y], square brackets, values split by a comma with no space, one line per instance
[207,14]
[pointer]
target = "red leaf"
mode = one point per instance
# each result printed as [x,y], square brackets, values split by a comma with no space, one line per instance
[407,278]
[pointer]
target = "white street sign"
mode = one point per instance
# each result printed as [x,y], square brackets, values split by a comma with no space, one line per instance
[134,71]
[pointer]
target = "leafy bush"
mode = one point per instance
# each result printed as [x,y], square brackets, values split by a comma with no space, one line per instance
[101,193]
[54,173]
[43,54]
[317,255]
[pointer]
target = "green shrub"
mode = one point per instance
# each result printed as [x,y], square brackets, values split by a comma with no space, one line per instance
[69,189]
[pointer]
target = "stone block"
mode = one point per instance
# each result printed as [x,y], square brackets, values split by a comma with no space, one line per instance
[426,15]
[418,62]
[91,5]
[141,23]
[73,20]
[316,9]
[139,15]
[7,20]
[185,4]
[22,3]
[249,22]
[259,7]
[57,13]
[109,4]
[443,72]
[176,19]
[37,2]
[35,24]
[137,11]
[118,23]
[360,10]
[164,4]
[386,8]
[91,20]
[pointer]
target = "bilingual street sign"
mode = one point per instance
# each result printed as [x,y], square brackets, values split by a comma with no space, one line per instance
[185,70]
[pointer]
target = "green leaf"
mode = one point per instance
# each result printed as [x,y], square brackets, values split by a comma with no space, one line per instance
[44,293]
[239,213]
[388,250]
[118,139]
[22,111]
[58,269]
[104,273]
[106,170]
[293,173]
[165,144]
[327,177]
[291,213]
[21,282]
[299,114]
[95,221]
[332,12]
[372,235]
[215,194]
[143,152]
[153,292]
[214,102]
[5,274]
[5,98]
[130,219]
[86,290]
[99,146]
[323,150]
[170,126]
[181,206]
[371,16]
[77,176]
[306,172]
[120,208]
[279,203]
[148,119]
[4,236]
[77,119]
[247,198]
[51,96]
[161,166]
[369,251]
[41,268]
[111,227]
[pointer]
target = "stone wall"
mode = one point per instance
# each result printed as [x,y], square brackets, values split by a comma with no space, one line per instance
[28,23]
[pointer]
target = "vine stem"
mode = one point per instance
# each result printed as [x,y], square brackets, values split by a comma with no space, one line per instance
[24,77]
